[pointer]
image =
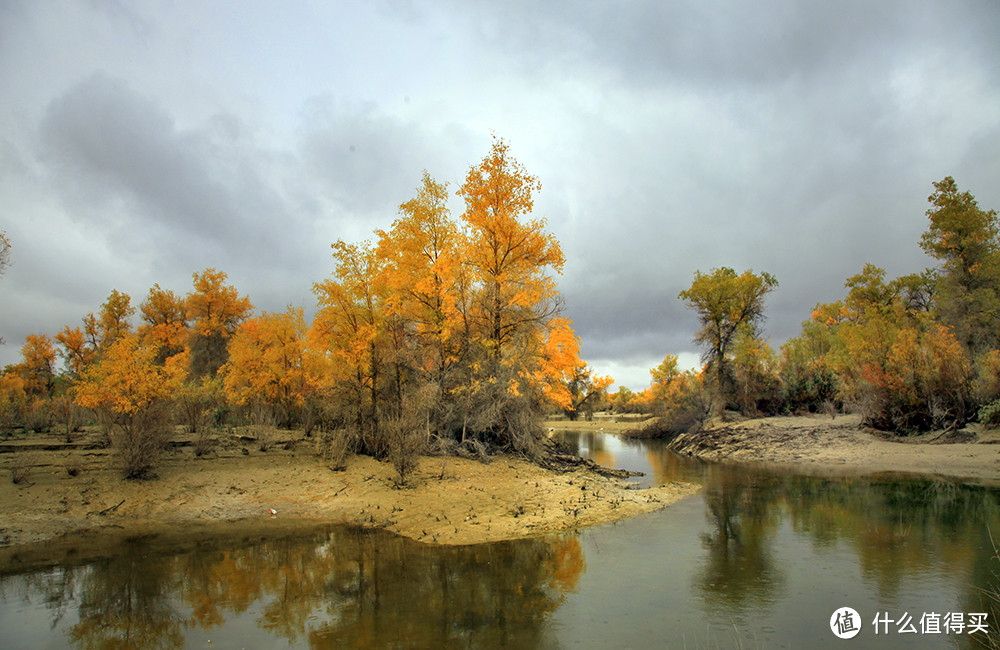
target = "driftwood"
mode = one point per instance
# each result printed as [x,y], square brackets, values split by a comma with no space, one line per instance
[110,509]
[556,460]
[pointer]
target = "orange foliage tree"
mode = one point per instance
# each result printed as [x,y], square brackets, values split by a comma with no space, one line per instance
[270,364]
[214,309]
[132,391]
[164,322]
[348,328]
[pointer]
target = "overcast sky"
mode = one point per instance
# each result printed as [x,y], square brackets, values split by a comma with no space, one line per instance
[142,142]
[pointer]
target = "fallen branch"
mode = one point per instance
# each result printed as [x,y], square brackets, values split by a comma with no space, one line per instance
[110,509]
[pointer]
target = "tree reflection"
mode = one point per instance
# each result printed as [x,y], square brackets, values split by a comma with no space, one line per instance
[341,587]
[125,603]
[740,569]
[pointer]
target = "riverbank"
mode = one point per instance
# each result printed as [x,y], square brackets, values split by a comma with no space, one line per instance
[820,444]
[448,500]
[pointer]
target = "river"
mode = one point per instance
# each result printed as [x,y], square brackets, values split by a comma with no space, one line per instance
[759,559]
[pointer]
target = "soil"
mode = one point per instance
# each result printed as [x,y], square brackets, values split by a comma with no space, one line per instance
[822,444]
[76,488]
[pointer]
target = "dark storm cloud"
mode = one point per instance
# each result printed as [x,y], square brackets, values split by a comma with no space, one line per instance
[110,143]
[370,162]
[795,138]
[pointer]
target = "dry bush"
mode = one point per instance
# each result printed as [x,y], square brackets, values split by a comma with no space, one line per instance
[38,417]
[499,419]
[73,466]
[406,441]
[139,439]
[203,441]
[265,437]
[68,414]
[196,404]
[20,467]
[336,446]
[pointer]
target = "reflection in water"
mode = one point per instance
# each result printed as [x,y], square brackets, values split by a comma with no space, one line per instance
[341,588]
[762,552]
[740,570]
[768,536]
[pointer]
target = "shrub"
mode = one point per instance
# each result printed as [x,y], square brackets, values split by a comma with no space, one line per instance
[20,468]
[336,446]
[990,414]
[130,393]
[405,443]
[904,380]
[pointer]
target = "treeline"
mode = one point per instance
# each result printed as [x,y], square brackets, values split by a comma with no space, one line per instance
[437,331]
[911,354]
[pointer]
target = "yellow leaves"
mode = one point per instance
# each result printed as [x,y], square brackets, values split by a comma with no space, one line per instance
[38,363]
[215,307]
[126,380]
[269,361]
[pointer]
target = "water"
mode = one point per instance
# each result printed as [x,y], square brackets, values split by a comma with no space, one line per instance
[758,559]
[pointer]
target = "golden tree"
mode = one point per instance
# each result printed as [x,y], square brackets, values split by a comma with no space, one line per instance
[214,309]
[509,257]
[270,364]
[349,331]
[164,322]
[132,391]
[38,357]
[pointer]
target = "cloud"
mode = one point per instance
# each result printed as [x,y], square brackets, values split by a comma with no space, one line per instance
[795,138]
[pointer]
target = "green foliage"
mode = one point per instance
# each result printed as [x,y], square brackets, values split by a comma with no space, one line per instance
[729,306]
[966,240]
[990,414]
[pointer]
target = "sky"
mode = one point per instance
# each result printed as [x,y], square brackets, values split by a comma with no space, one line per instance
[142,142]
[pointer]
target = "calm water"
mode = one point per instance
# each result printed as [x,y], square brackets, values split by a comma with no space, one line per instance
[758,559]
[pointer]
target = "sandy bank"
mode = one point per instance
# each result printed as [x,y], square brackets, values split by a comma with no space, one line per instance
[819,443]
[449,500]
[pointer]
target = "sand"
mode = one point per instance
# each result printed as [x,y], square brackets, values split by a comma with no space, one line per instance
[840,445]
[448,500]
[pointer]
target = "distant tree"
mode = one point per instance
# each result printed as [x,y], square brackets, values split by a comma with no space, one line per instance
[966,240]
[214,310]
[114,319]
[269,364]
[587,391]
[38,356]
[164,322]
[729,305]
[4,252]
[4,258]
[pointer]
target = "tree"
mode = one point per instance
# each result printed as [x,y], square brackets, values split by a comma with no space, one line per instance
[269,364]
[728,306]
[423,274]
[508,258]
[966,240]
[132,391]
[4,252]
[77,351]
[114,319]
[38,365]
[348,329]
[164,322]
[214,310]
[807,377]
[514,334]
